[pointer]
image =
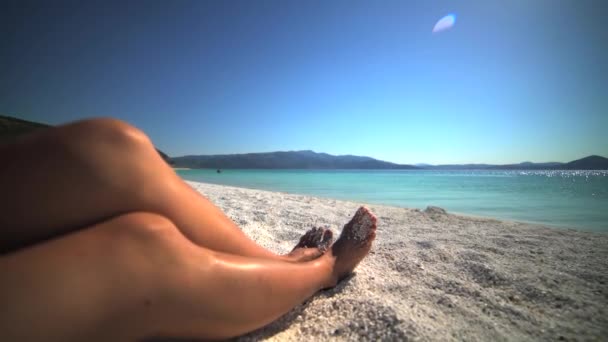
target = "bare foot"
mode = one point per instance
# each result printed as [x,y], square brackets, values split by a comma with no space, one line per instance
[312,245]
[353,245]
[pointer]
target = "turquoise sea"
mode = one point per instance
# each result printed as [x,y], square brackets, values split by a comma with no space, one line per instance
[566,199]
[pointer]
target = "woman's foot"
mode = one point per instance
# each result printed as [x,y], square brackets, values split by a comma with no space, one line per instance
[312,245]
[353,244]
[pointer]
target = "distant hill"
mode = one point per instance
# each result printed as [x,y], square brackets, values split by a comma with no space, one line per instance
[11,128]
[457,167]
[285,160]
[587,163]
[313,160]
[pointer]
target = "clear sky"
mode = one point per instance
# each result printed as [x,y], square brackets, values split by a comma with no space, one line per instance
[511,81]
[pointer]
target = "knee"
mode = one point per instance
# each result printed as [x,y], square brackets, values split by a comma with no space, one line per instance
[106,133]
[145,226]
[148,238]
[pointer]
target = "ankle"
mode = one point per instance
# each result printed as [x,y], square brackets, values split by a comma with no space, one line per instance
[327,265]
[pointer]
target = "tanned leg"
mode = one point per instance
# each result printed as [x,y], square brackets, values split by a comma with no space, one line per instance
[263,290]
[74,176]
[137,276]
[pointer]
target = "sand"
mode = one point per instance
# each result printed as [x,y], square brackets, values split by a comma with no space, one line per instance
[434,276]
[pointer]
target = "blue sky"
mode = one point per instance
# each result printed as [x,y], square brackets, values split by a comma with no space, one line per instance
[511,81]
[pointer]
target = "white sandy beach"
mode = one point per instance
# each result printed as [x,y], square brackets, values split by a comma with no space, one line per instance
[433,276]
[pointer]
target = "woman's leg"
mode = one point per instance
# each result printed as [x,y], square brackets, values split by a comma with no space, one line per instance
[79,174]
[266,289]
[137,276]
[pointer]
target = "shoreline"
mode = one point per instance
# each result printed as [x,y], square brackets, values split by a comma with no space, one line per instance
[433,275]
[459,213]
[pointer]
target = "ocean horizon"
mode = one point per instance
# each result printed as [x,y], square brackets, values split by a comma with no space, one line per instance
[555,198]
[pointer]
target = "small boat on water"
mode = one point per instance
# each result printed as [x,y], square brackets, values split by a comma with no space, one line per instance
[219,171]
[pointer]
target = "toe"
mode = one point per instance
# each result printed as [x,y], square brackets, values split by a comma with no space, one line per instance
[326,240]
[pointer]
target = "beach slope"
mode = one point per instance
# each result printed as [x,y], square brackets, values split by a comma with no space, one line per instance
[434,276]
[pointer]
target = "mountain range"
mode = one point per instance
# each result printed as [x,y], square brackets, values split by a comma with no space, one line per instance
[11,127]
[285,160]
[312,160]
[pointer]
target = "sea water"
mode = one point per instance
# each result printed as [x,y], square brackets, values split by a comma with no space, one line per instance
[566,199]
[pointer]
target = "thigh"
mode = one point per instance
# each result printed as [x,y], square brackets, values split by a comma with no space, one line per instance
[96,283]
[73,176]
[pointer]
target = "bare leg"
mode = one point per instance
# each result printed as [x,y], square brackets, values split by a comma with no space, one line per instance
[137,276]
[76,175]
